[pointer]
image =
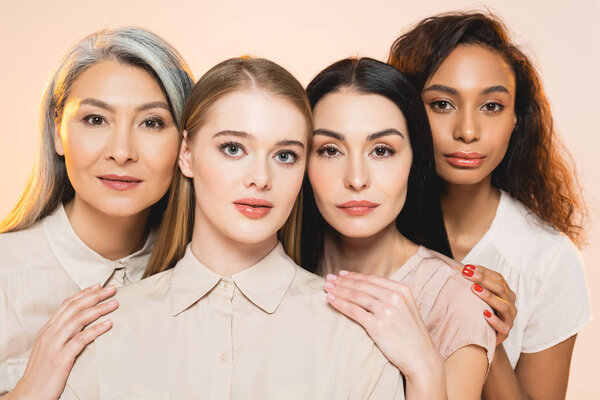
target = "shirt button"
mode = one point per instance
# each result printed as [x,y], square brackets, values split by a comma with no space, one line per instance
[226,285]
[222,357]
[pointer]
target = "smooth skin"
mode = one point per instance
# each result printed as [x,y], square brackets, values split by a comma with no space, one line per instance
[116,121]
[253,145]
[470,104]
[361,151]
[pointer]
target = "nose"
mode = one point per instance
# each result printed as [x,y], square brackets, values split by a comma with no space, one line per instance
[259,174]
[120,146]
[357,173]
[467,129]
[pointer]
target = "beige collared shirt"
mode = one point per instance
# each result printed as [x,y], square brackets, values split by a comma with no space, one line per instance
[264,333]
[39,268]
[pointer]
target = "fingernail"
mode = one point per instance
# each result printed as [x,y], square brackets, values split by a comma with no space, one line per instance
[467,272]
[107,322]
[470,266]
[478,288]
[343,272]
[112,302]
[329,285]
[95,286]
[331,277]
[487,314]
[330,296]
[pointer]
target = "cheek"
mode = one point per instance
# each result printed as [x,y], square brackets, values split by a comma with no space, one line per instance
[81,149]
[287,183]
[161,153]
[324,176]
[391,177]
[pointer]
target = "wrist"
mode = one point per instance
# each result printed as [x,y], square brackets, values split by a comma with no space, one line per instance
[428,378]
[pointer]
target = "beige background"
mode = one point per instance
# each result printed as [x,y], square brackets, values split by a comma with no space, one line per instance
[562,38]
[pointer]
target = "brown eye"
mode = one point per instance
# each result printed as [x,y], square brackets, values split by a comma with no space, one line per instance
[493,107]
[152,124]
[94,120]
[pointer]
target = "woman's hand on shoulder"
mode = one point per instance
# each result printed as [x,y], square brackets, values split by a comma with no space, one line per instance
[492,288]
[388,312]
[60,341]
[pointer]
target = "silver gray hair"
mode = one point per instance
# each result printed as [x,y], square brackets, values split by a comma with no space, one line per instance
[49,184]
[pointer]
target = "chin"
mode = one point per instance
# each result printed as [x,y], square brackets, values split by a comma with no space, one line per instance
[463,177]
[358,231]
[124,208]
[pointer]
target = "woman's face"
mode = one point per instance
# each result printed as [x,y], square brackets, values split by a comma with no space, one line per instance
[118,138]
[360,162]
[470,102]
[247,162]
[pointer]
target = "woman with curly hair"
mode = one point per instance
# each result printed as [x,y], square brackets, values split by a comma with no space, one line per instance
[508,195]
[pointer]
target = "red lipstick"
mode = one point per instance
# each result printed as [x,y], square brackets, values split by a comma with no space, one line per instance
[465,159]
[119,182]
[253,208]
[357,207]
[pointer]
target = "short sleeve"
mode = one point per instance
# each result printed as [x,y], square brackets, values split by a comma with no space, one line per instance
[456,319]
[562,305]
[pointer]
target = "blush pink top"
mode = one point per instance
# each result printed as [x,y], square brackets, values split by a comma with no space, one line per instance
[452,313]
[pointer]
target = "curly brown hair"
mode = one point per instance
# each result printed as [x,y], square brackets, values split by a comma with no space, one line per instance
[536,170]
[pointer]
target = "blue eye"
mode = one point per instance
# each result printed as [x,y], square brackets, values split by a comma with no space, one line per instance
[287,157]
[232,150]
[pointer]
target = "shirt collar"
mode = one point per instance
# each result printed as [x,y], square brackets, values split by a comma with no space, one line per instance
[84,265]
[264,284]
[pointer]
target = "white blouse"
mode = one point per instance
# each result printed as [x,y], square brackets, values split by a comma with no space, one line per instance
[39,268]
[544,269]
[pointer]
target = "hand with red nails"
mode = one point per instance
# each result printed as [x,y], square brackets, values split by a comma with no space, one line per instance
[388,312]
[492,288]
[61,340]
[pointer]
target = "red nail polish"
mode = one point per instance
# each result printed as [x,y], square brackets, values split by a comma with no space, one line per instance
[469,266]
[467,272]
[478,288]
[487,314]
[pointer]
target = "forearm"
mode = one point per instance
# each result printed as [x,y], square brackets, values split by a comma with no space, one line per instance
[502,382]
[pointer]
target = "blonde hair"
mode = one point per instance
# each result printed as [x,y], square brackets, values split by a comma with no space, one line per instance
[226,77]
[48,185]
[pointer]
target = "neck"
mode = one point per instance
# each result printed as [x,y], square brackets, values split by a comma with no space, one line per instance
[381,254]
[223,255]
[468,213]
[113,237]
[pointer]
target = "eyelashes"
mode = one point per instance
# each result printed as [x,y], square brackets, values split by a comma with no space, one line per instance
[445,106]
[235,150]
[97,120]
[379,151]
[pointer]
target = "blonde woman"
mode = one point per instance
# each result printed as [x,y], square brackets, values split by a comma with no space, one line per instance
[87,216]
[236,318]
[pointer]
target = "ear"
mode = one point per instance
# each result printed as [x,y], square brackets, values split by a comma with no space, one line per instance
[58,146]
[185,157]
[515,121]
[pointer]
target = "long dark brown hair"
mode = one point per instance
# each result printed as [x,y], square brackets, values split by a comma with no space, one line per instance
[369,76]
[536,169]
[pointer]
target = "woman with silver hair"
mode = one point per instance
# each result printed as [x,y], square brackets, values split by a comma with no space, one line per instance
[91,212]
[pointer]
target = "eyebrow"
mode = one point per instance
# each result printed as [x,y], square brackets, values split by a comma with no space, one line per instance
[383,133]
[249,136]
[143,107]
[451,90]
[373,136]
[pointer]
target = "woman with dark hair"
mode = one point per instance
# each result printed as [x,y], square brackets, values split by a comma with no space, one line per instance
[370,161]
[509,196]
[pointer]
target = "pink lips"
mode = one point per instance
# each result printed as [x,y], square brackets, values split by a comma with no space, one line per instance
[465,159]
[357,207]
[253,208]
[119,182]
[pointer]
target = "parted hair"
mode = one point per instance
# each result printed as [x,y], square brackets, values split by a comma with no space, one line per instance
[226,77]
[48,185]
[536,170]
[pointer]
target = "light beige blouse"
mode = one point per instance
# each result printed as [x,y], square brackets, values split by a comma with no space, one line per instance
[39,268]
[452,314]
[264,333]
